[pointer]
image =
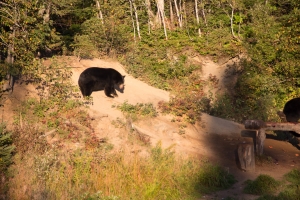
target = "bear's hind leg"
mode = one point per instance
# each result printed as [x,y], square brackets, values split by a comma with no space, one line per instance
[86,89]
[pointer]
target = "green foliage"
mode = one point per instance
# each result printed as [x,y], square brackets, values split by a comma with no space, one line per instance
[6,148]
[138,110]
[272,75]
[263,184]
[108,37]
[99,174]
[214,177]
[189,104]
[290,191]
[23,33]
[159,61]
[293,176]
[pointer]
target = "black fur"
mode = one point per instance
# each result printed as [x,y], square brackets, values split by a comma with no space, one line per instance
[95,79]
[292,110]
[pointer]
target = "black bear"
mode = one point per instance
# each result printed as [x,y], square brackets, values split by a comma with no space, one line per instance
[95,79]
[292,110]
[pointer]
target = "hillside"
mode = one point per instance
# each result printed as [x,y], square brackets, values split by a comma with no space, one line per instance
[212,138]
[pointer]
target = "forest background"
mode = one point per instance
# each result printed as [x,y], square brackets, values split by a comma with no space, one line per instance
[155,38]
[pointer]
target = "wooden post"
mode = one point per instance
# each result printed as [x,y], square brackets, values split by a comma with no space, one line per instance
[260,139]
[246,156]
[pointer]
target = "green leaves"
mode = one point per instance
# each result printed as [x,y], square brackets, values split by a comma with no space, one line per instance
[6,148]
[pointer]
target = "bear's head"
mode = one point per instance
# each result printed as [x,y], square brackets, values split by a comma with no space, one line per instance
[119,85]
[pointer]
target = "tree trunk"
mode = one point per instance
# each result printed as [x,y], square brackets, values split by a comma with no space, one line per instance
[171,14]
[136,19]
[150,15]
[178,12]
[203,12]
[161,15]
[197,17]
[99,15]
[133,25]
[231,20]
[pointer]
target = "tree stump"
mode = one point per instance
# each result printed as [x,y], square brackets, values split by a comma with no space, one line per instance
[246,156]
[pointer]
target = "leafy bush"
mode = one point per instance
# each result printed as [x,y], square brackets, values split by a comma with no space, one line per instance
[293,176]
[214,177]
[189,104]
[110,38]
[6,148]
[290,191]
[263,184]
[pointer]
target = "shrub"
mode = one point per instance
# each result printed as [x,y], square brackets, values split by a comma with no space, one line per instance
[263,184]
[6,148]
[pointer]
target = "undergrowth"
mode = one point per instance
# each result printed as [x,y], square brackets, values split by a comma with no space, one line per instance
[193,101]
[271,189]
[91,174]
[140,110]
[7,150]
[263,184]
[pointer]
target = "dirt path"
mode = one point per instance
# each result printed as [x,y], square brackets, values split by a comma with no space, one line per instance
[213,138]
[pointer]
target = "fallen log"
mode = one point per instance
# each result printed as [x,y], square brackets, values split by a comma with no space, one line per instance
[261,127]
[272,126]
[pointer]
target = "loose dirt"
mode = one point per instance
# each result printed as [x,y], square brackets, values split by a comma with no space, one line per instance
[212,138]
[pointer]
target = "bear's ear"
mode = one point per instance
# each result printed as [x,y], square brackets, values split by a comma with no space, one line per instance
[123,76]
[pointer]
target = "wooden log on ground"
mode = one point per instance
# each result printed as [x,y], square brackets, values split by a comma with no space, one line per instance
[272,126]
[287,126]
[246,156]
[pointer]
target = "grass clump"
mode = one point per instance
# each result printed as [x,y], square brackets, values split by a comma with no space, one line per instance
[214,177]
[293,176]
[262,185]
[266,186]
[138,110]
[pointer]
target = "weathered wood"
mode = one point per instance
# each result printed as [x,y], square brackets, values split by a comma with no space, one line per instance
[246,156]
[287,126]
[254,124]
[258,124]
[260,140]
[261,127]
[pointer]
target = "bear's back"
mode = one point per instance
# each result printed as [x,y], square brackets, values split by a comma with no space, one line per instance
[98,72]
[292,110]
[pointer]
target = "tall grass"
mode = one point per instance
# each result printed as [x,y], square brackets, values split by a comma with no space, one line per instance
[93,174]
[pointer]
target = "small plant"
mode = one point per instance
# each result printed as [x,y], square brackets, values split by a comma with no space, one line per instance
[293,176]
[138,110]
[263,184]
[214,177]
[6,148]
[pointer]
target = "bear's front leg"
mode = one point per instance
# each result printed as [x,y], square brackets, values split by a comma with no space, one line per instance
[114,92]
[108,91]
